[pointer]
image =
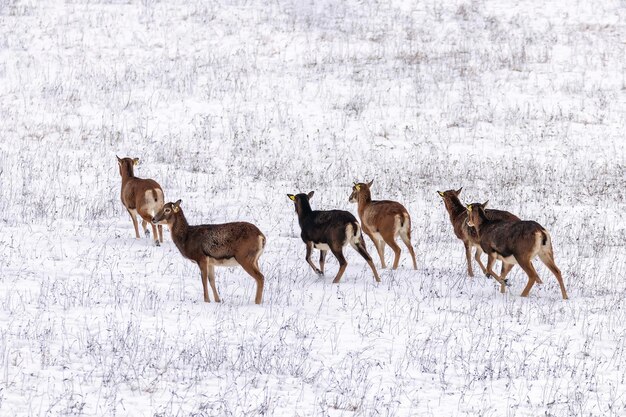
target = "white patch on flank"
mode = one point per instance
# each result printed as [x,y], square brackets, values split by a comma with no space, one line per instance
[509,97]
[321,246]
[507,259]
[223,262]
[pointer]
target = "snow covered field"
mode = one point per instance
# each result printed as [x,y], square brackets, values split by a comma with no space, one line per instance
[231,105]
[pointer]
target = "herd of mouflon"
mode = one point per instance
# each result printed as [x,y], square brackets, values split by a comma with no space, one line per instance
[500,234]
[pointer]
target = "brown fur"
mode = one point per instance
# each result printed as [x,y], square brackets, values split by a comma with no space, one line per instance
[514,242]
[329,230]
[140,197]
[211,245]
[469,237]
[383,221]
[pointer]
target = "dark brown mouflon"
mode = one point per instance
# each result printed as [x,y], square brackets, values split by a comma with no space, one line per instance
[143,197]
[383,221]
[329,230]
[211,245]
[514,242]
[466,233]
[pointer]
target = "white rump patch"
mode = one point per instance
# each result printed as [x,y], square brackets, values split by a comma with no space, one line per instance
[350,235]
[150,206]
[262,248]
[539,243]
[397,224]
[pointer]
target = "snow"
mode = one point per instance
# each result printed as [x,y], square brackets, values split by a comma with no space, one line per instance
[232,105]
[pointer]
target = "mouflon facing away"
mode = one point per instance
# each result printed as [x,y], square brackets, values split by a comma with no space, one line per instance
[383,221]
[143,197]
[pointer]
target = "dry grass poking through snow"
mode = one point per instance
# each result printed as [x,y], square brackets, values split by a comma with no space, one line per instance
[231,105]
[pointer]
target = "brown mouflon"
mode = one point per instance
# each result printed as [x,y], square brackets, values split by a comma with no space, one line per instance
[514,242]
[466,233]
[383,221]
[143,197]
[211,245]
[329,230]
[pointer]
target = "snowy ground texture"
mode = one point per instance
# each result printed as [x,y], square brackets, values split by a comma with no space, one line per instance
[231,105]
